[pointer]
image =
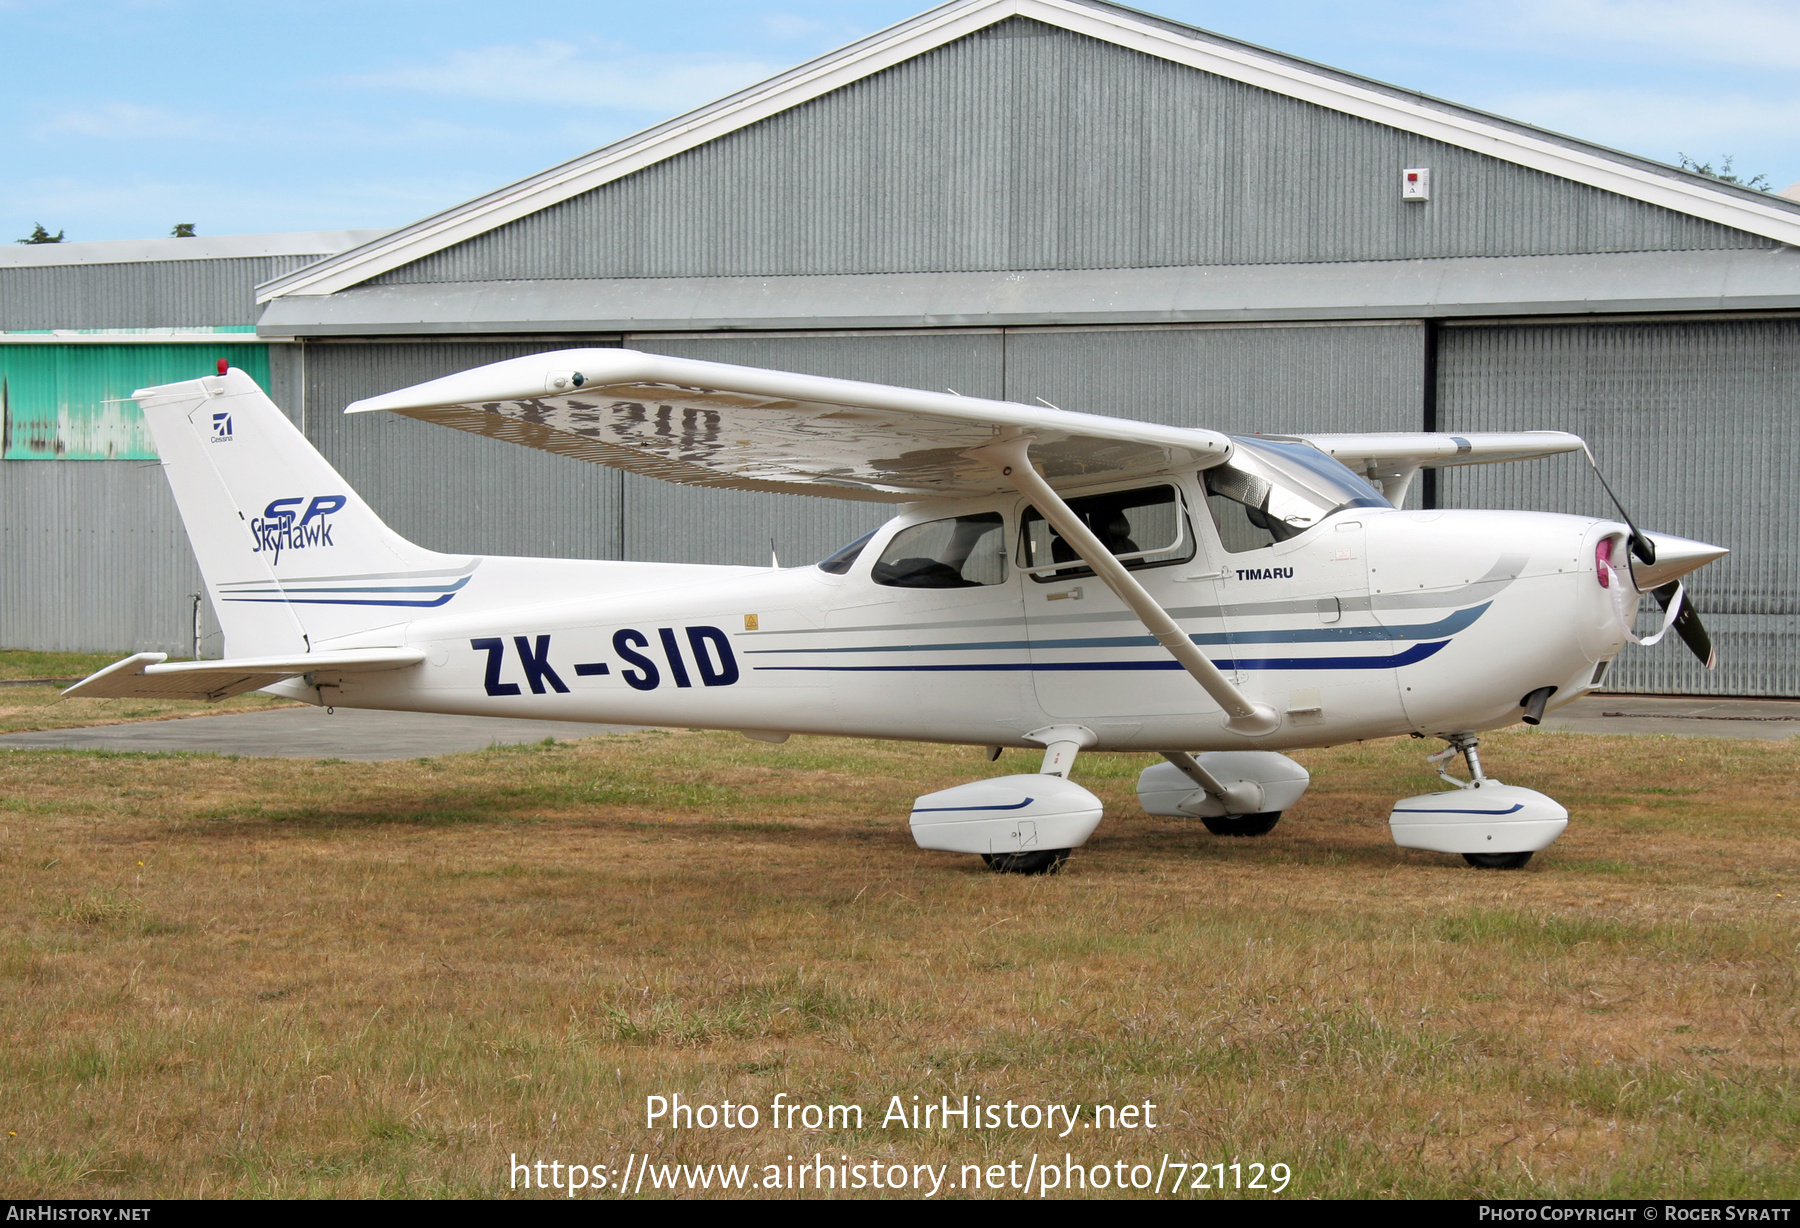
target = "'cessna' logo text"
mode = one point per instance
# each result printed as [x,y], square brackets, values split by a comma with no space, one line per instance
[283,526]
[1265,573]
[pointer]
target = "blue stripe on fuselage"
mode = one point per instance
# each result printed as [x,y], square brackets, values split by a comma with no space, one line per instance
[437,601]
[1417,653]
[1309,635]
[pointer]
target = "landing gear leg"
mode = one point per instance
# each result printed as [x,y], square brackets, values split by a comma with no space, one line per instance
[1464,744]
[1061,744]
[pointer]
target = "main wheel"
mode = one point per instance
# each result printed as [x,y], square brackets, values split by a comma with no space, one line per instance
[1043,861]
[1242,824]
[1497,861]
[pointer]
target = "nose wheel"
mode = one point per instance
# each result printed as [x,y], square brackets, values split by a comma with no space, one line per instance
[1492,826]
[1497,861]
[1464,744]
[1040,861]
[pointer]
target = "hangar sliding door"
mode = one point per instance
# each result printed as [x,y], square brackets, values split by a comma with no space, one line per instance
[1238,378]
[1696,425]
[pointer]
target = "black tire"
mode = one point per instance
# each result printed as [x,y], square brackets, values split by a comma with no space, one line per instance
[1497,861]
[1242,824]
[1044,861]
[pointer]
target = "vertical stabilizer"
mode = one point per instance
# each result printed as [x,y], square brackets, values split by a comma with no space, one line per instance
[291,555]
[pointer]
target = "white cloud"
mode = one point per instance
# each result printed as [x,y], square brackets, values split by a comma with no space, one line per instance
[573,75]
[1751,33]
[1658,123]
[127,121]
[788,25]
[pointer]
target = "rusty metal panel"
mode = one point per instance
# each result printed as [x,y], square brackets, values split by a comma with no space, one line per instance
[1029,147]
[1695,424]
[69,402]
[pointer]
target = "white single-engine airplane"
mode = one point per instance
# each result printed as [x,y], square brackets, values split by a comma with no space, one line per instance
[1052,579]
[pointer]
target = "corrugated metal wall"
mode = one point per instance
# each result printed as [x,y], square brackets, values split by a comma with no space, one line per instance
[93,559]
[146,294]
[449,490]
[1236,378]
[1027,147]
[1697,425]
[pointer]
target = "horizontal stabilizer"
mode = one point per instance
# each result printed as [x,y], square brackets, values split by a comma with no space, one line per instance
[145,676]
[1428,450]
[1391,458]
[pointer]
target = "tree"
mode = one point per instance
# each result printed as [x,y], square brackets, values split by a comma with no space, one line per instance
[40,235]
[1724,174]
[183,230]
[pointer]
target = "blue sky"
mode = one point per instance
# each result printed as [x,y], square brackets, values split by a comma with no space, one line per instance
[127,116]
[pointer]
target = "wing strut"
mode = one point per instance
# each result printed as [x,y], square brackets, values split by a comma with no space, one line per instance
[1012,457]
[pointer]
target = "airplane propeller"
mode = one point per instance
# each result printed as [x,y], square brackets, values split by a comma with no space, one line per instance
[1684,557]
[1687,622]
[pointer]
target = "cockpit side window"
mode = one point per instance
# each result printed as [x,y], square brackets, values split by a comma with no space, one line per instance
[1145,527]
[961,552]
[1272,490]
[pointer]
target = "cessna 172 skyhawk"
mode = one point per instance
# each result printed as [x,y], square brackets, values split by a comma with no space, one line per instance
[1052,579]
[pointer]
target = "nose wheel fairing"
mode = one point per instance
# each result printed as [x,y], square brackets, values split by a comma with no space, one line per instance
[1489,823]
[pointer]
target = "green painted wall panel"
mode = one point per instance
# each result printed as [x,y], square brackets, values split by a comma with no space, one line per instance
[67,402]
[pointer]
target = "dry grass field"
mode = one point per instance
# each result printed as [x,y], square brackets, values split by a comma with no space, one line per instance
[286,977]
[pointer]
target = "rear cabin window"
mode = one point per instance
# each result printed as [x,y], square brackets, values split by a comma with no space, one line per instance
[1146,527]
[962,552]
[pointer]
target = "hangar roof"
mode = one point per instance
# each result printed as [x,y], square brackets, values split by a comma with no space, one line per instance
[478,267]
[1351,290]
[200,247]
[137,284]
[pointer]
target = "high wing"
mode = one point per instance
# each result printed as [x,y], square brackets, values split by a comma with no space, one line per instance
[1391,458]
[713,424]
[144,676]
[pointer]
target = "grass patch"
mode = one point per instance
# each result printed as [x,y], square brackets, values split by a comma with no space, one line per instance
[24,708]
[28,663]
[300,978]
[97,908]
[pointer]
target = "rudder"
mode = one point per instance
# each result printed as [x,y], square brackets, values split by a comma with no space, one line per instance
[291,555]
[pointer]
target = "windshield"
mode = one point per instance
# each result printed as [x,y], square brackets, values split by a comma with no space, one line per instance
[839,561]
[1272,490]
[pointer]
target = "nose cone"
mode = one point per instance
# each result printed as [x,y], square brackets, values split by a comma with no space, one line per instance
[1675,557]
